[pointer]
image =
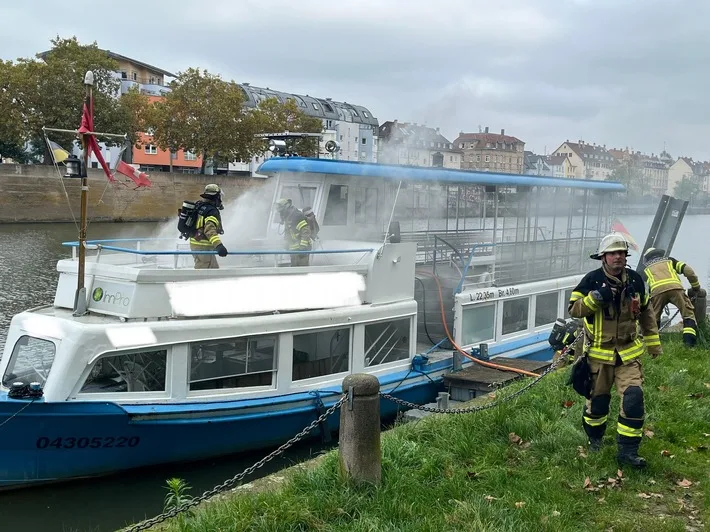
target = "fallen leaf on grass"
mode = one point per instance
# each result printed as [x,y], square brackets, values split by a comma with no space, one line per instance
[664,388]
[567,404]
[685,483]
[555,513]
[644,495]
[601,500]
[588,484]
[648,433]
[665,452]
[519,504]
[707,384]
[582,452]
[490,498]
[514,438]
[656,495]
[619,473]
[472,475]
[698,395]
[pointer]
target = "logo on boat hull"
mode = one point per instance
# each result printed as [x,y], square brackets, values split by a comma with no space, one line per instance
[107,298]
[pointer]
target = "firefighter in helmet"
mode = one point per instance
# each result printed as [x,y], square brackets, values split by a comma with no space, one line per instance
[208,228]
[297,233]
[661,273]
[312,222]
[613,303]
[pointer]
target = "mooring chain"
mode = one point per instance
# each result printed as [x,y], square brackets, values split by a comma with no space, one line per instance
[478,408]
[144,525]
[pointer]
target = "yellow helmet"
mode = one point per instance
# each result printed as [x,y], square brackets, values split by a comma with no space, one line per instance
[283,204]
[611,242]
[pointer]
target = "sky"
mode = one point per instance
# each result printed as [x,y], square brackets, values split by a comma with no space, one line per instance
[621,73]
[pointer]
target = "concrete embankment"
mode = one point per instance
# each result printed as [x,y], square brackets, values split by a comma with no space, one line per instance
[36,193]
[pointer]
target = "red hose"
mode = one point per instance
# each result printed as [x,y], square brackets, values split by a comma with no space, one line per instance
[464,353]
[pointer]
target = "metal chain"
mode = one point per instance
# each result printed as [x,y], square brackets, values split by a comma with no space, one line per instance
[144,525]
[478,408]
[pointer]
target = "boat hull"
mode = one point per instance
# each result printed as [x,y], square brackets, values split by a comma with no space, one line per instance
[50,442]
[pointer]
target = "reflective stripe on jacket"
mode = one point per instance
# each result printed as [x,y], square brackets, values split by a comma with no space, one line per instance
[209,227]
[662,275]
[297,232]
[612,328]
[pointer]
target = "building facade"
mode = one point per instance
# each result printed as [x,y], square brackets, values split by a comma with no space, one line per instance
[589,161]
[415,145]
[491,152]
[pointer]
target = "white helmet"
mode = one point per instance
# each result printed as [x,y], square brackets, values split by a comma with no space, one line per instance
[611,242]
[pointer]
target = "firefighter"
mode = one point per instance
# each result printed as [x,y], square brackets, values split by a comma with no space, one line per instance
[661,273]
[297,234]
[208,228]
[613,302]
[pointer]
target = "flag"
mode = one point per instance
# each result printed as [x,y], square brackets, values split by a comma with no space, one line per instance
[618,227]
[89,140]
[138,177]
[59,154]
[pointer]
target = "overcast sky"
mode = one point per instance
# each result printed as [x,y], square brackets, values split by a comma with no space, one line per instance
[616,72]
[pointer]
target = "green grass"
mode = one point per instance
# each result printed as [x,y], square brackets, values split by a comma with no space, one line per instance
[463,472]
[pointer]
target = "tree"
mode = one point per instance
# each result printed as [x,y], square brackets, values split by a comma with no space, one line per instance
[52,89]
[133,115]
[276,117]
[629,175]
[687,188]
[204,114]
[12,128]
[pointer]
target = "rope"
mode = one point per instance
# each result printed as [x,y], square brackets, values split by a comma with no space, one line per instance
[61,180]
[17,413]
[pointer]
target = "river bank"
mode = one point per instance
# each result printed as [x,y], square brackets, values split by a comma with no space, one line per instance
[36,193]
[520,466]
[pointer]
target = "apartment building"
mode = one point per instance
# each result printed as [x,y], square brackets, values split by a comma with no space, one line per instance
[491,152]
[589,161]
[415,145]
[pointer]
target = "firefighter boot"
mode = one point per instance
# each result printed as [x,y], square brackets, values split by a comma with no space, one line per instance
[595,445]
[629,454]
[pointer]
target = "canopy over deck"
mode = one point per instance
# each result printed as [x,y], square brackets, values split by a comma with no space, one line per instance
[277,165]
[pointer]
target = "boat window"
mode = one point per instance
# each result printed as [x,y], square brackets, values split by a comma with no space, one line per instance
[320,353]
[301,196]
[336,210]
[478,324]
[232,363]
[128,372]
[515,315]
[366,205]
[386,342]
[546,308]
[30,361]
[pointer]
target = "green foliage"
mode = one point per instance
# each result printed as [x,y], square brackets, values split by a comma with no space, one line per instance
[687,188]
[275,117]
[177,494]
[520,466]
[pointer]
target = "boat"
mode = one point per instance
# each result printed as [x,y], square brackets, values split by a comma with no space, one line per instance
[164,363]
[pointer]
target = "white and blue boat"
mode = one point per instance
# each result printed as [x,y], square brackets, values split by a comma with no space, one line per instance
[172,364]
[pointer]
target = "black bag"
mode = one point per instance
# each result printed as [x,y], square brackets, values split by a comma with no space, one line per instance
[580,378]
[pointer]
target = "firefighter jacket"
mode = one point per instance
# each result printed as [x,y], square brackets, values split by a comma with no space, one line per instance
[662,275]
[208,226]
[610,325]
[297,232]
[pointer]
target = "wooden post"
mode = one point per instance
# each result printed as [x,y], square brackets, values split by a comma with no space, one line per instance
[360,451]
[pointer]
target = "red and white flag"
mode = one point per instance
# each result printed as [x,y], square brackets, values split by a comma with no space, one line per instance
[138,177]
[618,227]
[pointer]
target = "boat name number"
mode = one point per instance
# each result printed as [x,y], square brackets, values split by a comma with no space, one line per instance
[97,442]
[491,294]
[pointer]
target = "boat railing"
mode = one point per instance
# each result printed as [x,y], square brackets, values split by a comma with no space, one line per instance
[147,251]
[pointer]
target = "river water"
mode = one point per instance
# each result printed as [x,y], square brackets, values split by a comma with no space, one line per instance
[28,256]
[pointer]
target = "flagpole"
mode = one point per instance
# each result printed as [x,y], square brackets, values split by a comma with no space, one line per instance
[80,302]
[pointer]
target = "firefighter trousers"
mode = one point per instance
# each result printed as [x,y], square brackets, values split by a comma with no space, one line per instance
[300,259]
[628,379]
[681,301]
[204,261]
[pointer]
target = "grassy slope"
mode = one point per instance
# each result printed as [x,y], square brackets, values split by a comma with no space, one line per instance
[467,472]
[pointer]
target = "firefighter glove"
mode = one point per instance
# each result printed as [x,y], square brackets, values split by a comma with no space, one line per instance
[603,294]
[221,250]
[655,350]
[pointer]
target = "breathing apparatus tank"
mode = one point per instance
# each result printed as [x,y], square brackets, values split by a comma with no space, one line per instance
[563,333]
[187,219]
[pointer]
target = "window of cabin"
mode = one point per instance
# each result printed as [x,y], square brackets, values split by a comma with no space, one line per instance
[336,208]
[546,308]
[478,324]
[142,371]
[386,342]
[320,353]
[30,361]
[233,363]
[301,196]
[515,315]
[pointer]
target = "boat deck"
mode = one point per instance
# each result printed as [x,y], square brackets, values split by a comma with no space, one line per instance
[475,380]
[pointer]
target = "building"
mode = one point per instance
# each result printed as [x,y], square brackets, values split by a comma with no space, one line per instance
[686,168]
[491,152]
[534,164]
[415,145]
[589,161]
[352,126]
[650,171]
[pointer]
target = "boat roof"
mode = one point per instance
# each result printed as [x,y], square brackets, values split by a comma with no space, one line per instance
[307,165]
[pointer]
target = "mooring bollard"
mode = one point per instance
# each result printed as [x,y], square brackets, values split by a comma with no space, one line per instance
[360,451]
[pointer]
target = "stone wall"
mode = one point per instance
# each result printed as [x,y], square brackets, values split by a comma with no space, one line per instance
[36,193]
